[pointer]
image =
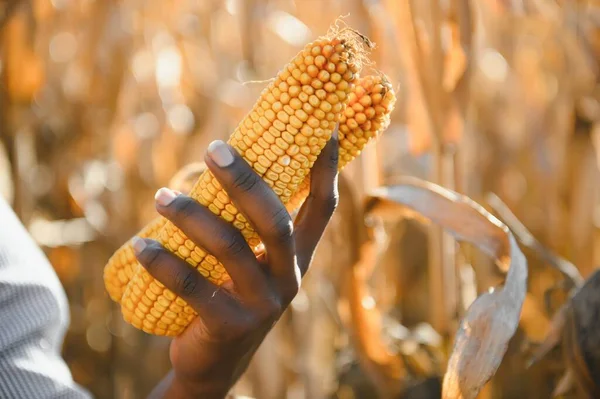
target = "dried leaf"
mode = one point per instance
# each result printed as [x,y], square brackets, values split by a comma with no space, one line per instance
[491,320]
[527,239]
[467,221]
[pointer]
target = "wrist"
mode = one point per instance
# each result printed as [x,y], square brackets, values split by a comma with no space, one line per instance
[174,387]
[193,388]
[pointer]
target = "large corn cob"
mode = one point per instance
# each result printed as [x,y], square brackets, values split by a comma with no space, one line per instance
[366,115]
[281,138]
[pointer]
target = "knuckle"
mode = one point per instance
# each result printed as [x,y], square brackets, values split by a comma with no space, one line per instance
[330,203]
[184,208]
[334,158]
[186,282]
[151,256]
[282,226]
[246,181]
[232,243]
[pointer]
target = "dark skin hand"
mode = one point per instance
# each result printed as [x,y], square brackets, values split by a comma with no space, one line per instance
[216,348]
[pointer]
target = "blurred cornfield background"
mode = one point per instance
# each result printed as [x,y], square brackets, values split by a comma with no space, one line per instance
[103,101]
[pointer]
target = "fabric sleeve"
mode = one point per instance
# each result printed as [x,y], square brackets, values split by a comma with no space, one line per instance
[33,319]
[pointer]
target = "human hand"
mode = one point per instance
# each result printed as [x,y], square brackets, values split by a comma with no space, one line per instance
[233,319]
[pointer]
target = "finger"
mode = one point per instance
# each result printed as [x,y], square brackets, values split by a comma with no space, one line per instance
[179,277]
[216,236]
[259,203]
[320,204]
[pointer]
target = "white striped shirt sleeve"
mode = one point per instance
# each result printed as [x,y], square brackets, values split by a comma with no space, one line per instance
[33,319]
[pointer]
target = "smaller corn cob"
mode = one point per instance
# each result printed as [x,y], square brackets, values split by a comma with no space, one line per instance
[366,116]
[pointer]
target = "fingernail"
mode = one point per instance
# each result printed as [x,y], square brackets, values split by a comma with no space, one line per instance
[164,196]
[220,154]
[335,131]
[138,244]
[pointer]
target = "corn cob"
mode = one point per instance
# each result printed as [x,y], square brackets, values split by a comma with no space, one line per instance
[366,116]
[123,264]
[281,138]
[374,117]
